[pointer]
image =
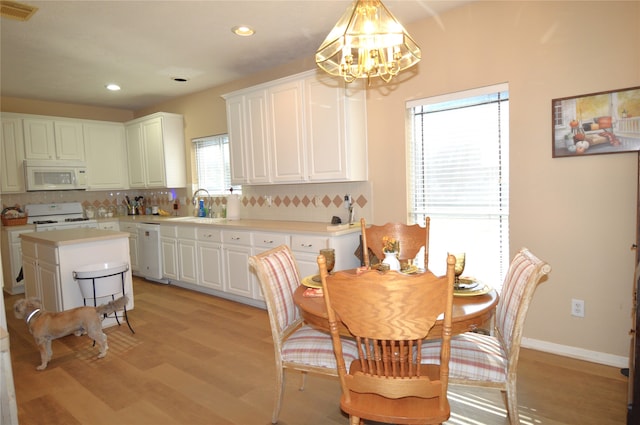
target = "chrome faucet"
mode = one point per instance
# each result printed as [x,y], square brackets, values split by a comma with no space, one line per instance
[194,200]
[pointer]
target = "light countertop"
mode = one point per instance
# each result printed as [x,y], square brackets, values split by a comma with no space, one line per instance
[72,236]
[305,227]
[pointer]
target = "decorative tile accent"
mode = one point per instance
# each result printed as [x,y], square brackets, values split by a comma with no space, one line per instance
[286,201]
[338,200]
[326,201]
[277,201]
[361,201]
[296,201]
[306,201]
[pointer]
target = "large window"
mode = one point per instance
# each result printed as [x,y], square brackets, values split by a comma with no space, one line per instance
[213,165]
[459,176]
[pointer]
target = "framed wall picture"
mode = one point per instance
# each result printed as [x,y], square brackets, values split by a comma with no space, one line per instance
[596,123]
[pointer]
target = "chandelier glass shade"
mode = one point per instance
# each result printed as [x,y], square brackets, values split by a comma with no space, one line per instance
[367,42]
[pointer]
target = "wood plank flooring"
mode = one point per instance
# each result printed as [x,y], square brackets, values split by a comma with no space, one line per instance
[198,359]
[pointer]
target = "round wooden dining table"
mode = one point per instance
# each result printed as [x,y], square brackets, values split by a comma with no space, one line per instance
[469,312]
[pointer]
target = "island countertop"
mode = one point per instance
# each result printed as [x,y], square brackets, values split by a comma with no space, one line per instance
[72,236]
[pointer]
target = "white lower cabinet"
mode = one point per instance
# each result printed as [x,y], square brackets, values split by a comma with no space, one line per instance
[187,257]
[236,250]
[12,259]
[132,229]
[306,249]
[215,259]
[209,248]
[42,275]
[169,251]
[109,225]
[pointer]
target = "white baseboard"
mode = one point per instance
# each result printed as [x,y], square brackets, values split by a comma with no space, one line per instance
[576,353]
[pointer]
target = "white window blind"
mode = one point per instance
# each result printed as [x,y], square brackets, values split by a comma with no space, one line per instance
[213,166]
[459,176]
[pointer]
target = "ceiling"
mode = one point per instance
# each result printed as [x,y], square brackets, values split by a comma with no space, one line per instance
[69,50]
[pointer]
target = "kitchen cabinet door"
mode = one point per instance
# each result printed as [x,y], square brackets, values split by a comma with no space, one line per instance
[335,124]
[237,143]
[69,140]
[238,279]
[154,164]
[11,155]
[286,132]
[135,156]
[210,265]
[39,138]
[106,156]
[169,250]
[209,246]
[257,137]
[187,257]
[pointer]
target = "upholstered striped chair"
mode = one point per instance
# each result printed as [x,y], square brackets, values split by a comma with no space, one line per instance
[492,361]
[296,345]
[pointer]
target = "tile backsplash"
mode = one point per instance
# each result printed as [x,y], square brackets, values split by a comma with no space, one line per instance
[317,202]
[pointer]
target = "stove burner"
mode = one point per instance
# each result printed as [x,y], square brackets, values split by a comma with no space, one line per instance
[44,222]
[76,219]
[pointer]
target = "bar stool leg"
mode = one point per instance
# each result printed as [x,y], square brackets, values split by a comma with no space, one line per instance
[126,317]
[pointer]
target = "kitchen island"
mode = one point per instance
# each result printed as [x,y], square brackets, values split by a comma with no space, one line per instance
[49,259]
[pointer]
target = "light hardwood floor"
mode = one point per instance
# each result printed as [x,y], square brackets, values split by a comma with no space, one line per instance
[198,359]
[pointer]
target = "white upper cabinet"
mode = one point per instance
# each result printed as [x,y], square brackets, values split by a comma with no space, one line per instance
[312,128]
[156,151]
[286,128]
[336,129]
[53,139]
[248,133]
[106,156]
[11,155]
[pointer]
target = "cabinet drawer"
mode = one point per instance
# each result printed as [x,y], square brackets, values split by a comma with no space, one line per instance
[209,235]
[269,240]
[168,231]
[236,237]
[186,232]
[313,244]
[129,227]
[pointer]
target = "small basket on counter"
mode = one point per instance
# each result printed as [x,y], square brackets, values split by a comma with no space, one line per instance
[13,216]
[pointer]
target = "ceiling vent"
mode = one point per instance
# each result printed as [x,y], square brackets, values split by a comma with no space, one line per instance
[17,11]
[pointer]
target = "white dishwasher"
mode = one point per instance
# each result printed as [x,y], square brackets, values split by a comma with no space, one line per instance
[149,256]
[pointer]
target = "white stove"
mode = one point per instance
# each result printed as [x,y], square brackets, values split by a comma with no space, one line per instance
[65,215]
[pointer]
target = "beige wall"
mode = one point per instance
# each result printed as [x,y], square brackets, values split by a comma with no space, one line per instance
[577,213]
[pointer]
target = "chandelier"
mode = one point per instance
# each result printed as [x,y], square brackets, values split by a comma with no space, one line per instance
[367,42]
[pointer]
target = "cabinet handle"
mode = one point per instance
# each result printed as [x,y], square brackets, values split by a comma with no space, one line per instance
[235,238]
[306,245]
[269,242]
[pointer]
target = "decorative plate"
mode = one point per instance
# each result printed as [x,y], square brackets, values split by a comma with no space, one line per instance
[479,290]
[310,281]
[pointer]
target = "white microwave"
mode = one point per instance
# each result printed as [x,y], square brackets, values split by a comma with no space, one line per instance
[54,175]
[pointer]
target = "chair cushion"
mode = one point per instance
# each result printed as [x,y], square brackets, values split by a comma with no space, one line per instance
[312,347]
[474,357]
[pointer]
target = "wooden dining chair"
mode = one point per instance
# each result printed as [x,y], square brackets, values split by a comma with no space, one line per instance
[492,361]
[390,314]
[411,237]
[297,346]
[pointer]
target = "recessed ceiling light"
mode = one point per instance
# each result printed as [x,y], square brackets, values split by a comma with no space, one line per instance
[112,87]
[243,30]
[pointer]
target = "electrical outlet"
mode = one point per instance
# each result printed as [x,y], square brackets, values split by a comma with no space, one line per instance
[577,307]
